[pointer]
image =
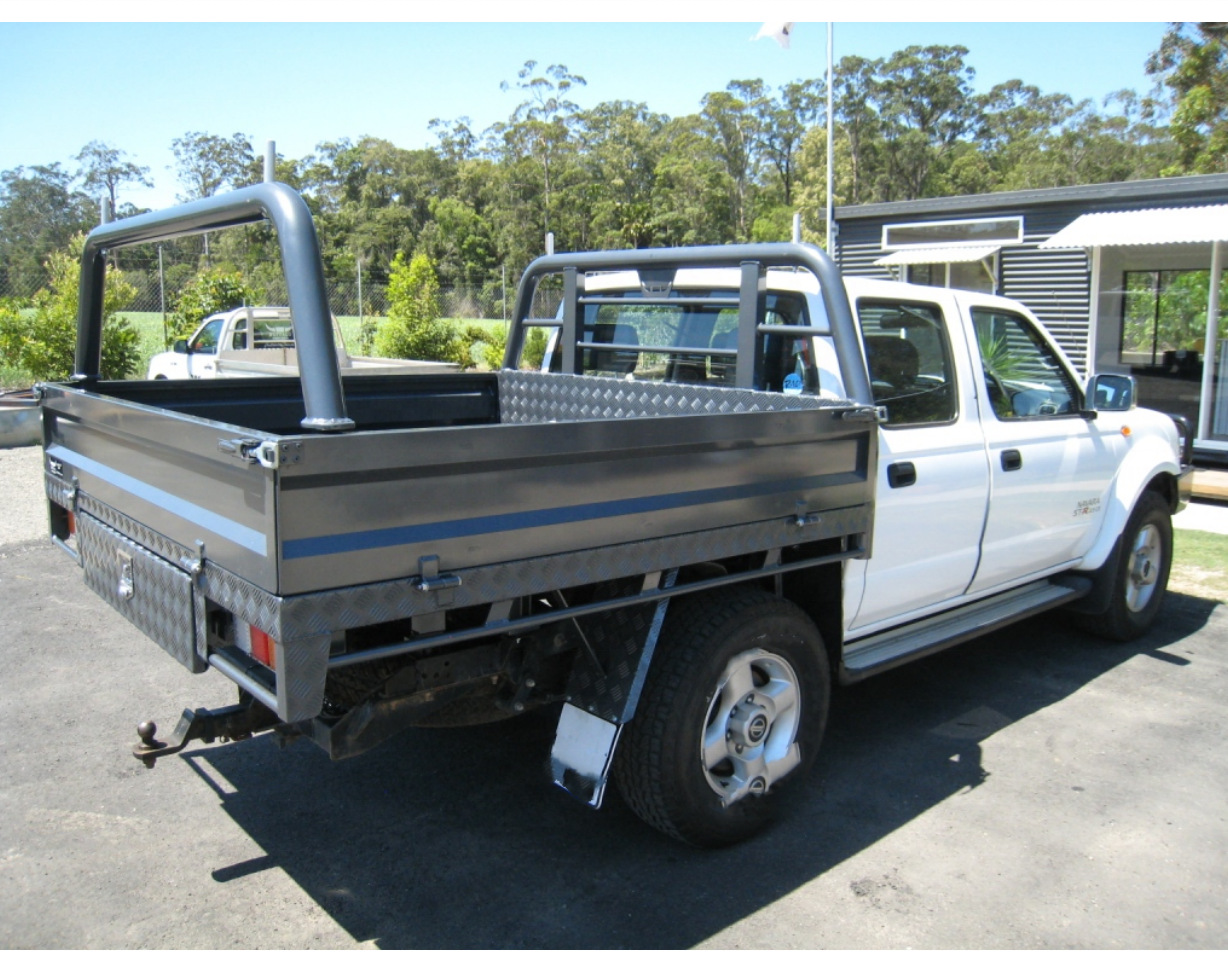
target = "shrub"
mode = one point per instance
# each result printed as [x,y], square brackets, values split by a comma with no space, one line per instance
[534,351]
[43,343]
[413,328]
[209,292]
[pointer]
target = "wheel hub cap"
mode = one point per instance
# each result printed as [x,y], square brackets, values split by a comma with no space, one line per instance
[749,724]
[1143,567]
[750,734]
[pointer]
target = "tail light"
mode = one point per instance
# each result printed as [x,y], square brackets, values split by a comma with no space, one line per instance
[259,644]
[264,648]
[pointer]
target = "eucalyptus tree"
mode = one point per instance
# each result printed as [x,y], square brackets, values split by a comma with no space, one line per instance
[621,144]
[1192,63]
[691,187]
[105,170]
[208,164]
[925,101]
[858,126]
[732,119]
[782,122]
[40,211]
[537,151]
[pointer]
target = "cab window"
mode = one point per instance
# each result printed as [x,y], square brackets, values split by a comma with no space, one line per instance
[909,359]
[1024,378]
[205,341]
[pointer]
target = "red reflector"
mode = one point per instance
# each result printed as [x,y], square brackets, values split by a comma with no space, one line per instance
[264,648]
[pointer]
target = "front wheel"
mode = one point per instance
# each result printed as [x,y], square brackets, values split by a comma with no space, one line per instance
[1142,575]
[735,703]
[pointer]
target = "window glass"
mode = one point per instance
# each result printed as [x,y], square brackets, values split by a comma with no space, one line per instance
[1008,229]
[206,341]
[693,343]
[1023,375]
[911,372]
[273,334]
[972,276]
[964,276]
[1164,317]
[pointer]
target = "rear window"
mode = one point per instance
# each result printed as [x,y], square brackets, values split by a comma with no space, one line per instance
[692,343]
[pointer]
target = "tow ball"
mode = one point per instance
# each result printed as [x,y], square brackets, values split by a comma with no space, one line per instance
[231,723]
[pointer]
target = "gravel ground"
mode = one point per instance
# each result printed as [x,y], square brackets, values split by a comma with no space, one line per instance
[23,513]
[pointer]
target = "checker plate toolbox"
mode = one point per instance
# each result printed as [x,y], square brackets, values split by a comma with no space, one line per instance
[403,543]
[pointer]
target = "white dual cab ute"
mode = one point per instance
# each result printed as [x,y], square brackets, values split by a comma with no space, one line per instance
[734,479]
[1005,486]
[249,341]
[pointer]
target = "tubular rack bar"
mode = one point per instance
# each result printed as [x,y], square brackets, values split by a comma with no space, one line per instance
[752,258]
[300,256]
[661,301]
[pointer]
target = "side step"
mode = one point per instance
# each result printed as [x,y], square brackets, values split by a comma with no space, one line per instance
[879,652]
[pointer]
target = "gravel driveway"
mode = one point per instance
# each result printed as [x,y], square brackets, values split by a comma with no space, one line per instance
[23,506]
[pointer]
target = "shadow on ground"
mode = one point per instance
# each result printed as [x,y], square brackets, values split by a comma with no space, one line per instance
[454,839]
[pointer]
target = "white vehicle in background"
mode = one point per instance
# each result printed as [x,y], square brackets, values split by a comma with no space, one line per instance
[251,341]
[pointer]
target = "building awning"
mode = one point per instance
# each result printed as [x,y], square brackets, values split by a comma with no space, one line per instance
[937,254]
[1143,227]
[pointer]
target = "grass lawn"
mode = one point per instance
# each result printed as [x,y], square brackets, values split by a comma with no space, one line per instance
[1200,564]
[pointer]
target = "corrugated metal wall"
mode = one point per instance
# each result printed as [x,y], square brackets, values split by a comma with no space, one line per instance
[858,246]
[1055,285]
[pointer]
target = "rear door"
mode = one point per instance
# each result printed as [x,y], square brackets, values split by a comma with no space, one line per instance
[933,480]
[1050,467]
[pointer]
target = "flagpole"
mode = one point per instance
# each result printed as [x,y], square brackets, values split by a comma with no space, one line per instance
[831,128]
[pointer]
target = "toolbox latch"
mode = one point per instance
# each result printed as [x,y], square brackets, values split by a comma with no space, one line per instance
[253,450]
[431,580]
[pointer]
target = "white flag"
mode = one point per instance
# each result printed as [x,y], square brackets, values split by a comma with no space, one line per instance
[778,32]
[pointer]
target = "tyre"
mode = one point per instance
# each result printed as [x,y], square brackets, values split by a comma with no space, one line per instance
[735,704]
[1142,575]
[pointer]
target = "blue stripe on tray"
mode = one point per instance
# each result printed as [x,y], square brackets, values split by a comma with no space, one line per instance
[556,516]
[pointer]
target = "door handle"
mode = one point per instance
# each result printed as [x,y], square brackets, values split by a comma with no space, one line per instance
[1011,460]
[901,474]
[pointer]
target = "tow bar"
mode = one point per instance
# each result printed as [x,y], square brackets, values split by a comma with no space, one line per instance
[231,723]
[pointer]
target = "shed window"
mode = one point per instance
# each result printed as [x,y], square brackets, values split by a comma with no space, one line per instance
[1005,229]
[1164,318]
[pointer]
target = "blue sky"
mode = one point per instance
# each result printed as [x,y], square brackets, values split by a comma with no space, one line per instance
[138,85]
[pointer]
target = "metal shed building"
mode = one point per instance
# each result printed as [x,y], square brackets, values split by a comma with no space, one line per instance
[1117,300]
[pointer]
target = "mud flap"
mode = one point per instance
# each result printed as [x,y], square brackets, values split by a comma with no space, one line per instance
[582,754]
[604,691]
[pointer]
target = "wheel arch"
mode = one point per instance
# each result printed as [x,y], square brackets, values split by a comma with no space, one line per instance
[819,592]
[1149,465]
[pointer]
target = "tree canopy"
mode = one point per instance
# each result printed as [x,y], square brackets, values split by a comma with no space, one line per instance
[619,174]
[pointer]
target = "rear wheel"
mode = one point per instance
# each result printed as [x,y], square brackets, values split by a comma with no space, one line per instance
[735,703]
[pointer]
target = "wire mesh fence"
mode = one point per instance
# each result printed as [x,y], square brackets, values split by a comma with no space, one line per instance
[489,299]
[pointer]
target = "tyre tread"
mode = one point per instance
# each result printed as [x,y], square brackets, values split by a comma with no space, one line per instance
[691,627]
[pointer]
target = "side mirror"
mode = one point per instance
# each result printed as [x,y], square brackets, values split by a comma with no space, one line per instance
[1111,393]
[181,347]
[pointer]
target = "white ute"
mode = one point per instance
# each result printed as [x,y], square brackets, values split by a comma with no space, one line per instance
[250,341]
[999,490]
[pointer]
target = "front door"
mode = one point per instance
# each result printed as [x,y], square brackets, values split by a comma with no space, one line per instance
[1050,467]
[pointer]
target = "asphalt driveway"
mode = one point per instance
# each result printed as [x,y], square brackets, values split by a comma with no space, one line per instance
[1034,789]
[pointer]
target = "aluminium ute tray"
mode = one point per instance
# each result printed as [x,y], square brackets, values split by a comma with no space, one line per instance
[500,468]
